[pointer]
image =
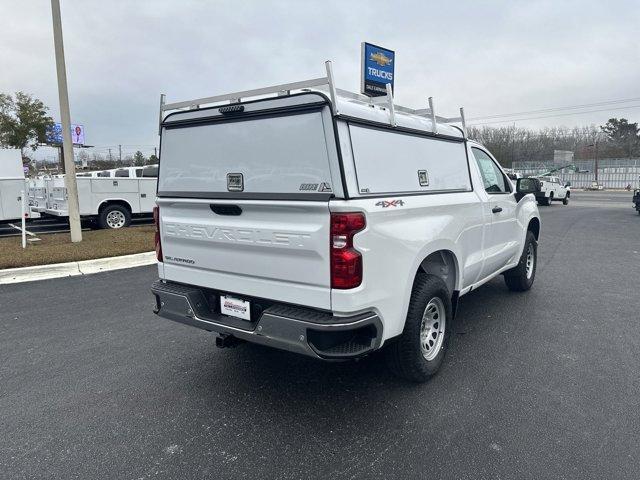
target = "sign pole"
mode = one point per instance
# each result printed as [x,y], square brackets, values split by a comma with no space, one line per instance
[65,117]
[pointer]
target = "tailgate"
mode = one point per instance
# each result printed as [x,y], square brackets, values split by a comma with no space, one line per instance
[269,249]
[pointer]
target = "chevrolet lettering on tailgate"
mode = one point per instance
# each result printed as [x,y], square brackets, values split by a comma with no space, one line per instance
[239,235]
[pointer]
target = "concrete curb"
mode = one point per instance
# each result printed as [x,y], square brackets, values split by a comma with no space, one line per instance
[70,269]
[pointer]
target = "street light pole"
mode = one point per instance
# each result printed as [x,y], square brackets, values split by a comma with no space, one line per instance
[65,117]
[596,160]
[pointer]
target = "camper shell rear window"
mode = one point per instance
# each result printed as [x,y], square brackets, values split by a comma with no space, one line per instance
[251,154]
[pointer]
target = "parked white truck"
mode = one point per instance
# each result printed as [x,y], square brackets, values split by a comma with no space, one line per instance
[12,183]
[332,225]
[553,189]
[110,200]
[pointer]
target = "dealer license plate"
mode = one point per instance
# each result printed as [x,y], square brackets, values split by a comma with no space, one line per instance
[234,307]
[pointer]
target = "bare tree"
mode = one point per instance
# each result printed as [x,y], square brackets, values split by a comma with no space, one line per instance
[512,144]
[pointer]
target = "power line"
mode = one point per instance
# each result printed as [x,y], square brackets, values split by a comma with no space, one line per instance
[556,109]
[556,115]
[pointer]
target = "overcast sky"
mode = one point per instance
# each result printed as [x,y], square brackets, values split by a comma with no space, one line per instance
[490,57]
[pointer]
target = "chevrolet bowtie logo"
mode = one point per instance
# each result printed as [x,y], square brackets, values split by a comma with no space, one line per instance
[381,59]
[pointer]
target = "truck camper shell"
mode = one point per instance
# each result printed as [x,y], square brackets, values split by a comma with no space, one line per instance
[361,137]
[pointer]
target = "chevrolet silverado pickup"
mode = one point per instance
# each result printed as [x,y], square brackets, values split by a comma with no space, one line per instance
[328,224]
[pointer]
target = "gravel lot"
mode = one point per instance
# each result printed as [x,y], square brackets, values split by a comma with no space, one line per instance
[538,385]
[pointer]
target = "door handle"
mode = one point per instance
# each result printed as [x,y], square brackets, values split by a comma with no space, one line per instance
[232,210]
[496,209]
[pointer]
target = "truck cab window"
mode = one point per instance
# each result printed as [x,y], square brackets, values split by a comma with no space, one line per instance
[492,177]
[150,171]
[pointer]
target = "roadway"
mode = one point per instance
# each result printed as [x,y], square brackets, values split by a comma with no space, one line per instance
[544,384]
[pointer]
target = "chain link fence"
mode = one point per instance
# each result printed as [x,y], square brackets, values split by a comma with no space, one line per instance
[612,172]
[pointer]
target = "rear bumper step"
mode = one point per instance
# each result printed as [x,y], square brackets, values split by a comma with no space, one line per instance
[296,329]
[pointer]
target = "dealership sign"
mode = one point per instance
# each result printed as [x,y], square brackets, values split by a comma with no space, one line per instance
[377,69]
[54,134]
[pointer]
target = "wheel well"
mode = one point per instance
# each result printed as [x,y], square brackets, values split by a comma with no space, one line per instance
[441,264]
[122,203]
[534,227]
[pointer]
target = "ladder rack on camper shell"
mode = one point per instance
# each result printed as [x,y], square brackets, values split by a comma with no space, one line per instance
[320,83]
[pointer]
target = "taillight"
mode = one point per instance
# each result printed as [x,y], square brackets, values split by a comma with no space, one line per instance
[156,221]
[346,261]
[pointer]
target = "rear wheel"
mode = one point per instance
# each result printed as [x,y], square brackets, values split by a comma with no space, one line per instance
[114,217]
[565,200]
[417,354]
[521,277]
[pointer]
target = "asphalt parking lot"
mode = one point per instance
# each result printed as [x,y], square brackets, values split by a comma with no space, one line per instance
[544,384]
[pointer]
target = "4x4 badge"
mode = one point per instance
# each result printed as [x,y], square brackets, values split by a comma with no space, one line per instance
[390,203]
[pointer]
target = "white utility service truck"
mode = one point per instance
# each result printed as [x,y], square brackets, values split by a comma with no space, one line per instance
[326,223]
[112,201]
[553,189]
[12,182]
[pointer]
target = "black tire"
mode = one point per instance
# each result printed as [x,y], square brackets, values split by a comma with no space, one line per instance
[550,199]
[105,220]
[565,200]
[517,279]
[404,354]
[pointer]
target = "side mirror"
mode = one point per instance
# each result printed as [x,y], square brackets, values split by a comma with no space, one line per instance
[525,186]
[568,184]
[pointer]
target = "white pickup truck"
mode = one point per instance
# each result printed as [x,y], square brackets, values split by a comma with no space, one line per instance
[553,189]
[332,225]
